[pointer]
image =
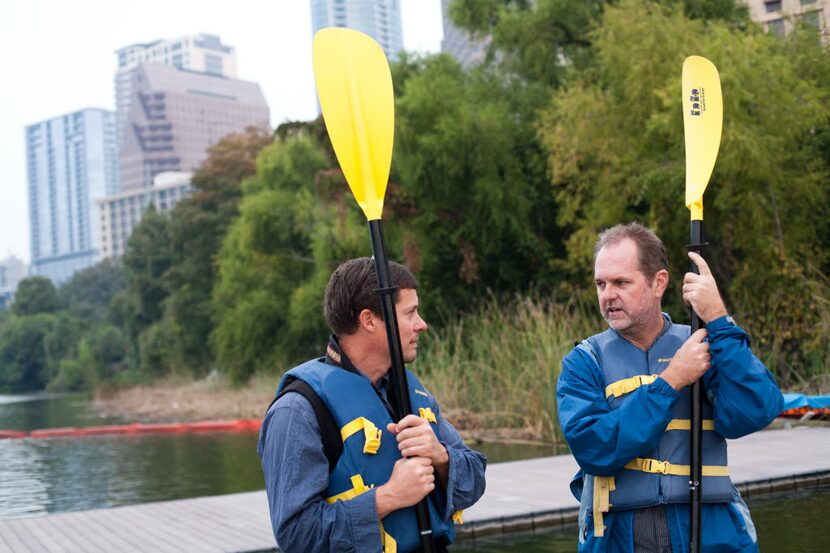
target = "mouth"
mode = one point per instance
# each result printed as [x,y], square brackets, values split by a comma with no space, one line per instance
[613,311]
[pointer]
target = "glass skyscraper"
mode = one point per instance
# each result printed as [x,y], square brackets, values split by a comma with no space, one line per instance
[71,160]
[380,19]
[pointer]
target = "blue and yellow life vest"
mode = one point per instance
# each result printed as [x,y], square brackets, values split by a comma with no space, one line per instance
[369,451]
[661,475]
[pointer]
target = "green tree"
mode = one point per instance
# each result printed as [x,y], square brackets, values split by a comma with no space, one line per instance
[22,355]
[89,292]
[297,221]
[615,137]
[541,40]
[474,202]
[35,295]
[147,259]
[197,228]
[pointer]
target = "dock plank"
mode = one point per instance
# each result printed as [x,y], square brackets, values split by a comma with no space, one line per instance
[519,494]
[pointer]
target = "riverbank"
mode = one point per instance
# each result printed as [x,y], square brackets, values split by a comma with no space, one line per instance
[186,400]
[214,398]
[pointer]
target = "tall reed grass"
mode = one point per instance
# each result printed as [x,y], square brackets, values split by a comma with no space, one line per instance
[496,368]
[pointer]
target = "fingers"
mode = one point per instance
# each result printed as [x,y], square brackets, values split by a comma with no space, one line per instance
[702,266]
[699,336]
[410,421]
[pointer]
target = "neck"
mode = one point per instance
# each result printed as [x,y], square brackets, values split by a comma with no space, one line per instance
[371,364]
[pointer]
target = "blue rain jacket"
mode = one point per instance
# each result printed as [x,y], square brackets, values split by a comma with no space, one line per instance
[744,398]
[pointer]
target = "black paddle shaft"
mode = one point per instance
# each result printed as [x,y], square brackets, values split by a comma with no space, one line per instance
[696,430]
[397,377]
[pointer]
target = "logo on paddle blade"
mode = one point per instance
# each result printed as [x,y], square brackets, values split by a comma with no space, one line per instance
[698,100]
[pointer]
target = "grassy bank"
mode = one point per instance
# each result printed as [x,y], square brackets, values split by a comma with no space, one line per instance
[493,371]
[497,367]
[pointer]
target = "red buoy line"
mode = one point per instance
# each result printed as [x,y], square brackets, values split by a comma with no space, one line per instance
[138,428]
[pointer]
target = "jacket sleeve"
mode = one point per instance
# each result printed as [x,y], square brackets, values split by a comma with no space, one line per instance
[743,392]
[602,439]
[296,479]
[465,483]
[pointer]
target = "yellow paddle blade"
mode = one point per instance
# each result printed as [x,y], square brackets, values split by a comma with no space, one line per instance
[354,85]
[702,123]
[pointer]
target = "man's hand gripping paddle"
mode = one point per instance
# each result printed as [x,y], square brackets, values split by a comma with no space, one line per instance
[702,123]
[354,85]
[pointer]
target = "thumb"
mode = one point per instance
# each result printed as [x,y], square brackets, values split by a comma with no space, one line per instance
[392,428]
[702,266]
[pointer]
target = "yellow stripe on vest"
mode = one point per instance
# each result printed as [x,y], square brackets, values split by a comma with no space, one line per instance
[371,432]
[628,385]
[420,392]
[686,424]
[664,467]
[603,486]
[358,487]
[389,543]
[426,413]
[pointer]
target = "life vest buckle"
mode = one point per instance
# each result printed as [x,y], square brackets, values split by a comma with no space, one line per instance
[655,466]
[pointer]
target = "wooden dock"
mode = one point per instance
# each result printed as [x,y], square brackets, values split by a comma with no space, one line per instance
[520,495]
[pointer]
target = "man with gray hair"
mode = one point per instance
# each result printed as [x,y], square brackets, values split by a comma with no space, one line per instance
[624,402]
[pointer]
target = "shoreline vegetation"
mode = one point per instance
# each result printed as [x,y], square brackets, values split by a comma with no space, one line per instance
[493,372]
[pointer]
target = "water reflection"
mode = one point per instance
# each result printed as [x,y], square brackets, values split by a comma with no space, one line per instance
[39,476]
[786,522]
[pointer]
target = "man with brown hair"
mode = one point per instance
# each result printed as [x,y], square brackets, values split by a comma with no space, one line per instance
[341,473]
[624,404]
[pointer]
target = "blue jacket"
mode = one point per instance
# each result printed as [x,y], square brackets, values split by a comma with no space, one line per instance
[369,451]
[606,435]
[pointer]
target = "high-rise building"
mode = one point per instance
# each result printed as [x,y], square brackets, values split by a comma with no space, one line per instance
[780,16]
[12,271]
[71,160]
[121,213]
[176,115]
[380,19]
[459,44]
[202,53]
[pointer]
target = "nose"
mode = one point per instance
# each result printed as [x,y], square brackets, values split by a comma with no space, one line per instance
[420,324]
[606,294]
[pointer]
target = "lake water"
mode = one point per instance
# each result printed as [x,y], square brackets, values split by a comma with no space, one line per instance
[791,522]
[39,476]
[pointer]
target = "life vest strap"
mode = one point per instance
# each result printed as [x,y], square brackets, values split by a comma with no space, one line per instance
[664,467]
[426,413]
[628,385]
[371,432]
[389,543]
[686,424]
[458,517]
[358,488]
[603,486]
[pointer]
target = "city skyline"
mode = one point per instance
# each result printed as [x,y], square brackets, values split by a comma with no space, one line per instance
[70,62]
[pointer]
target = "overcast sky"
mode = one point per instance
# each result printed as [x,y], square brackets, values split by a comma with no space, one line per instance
[57,56]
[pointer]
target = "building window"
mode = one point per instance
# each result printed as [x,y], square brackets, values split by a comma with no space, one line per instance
[807,2]
[811,18]
[776,27]
[773,6]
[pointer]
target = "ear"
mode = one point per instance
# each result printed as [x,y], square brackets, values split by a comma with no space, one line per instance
[660,282]
[368,320]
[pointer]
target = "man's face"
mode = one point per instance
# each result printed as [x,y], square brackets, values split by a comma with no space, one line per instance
[627,300]
[410,323]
